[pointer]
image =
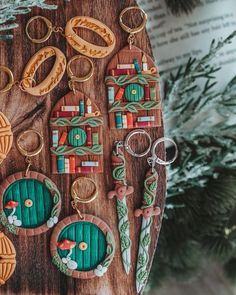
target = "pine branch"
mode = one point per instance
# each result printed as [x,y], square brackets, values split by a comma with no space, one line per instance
[206,144]
[10,9]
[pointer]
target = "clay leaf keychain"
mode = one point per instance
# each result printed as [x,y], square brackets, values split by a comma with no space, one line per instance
[30,202]
[133,84]
[76,127]
[121,191]
[148,210]
[82,245]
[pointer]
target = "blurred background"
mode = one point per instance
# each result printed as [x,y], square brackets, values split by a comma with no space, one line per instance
[195,48]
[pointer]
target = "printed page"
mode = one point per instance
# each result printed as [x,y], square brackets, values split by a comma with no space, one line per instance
[175,39]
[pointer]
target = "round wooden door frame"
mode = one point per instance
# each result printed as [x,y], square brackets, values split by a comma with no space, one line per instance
[50,186]
[73,219]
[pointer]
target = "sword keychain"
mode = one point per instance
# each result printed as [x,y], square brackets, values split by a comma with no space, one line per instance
[148,210]
[122,190]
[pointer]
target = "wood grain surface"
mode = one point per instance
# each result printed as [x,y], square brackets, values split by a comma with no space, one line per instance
[35,273]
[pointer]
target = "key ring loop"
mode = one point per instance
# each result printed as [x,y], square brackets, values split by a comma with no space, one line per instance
[75,188]
[10,82]
[47,23]
[129,137]
[25,152]
[157,160]
[137,29]
[74,78]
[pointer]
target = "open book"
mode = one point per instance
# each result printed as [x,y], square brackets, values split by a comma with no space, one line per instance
[175,39]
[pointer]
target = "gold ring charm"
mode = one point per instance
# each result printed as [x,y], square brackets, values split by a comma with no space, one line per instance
[47,23]
[53,78]
[8,258]
[137,29]
[82,45]
[6,137]
[76,188]
[23,151]
[10,82]
[74,78]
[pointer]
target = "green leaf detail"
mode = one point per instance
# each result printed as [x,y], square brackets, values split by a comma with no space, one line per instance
[77,121]
[142,260]
[124,227]
[134,107]
[125,242]
[80,151]
[142,277]
[60,265]
[121,209]
[146,240]
[3,220]
[147,199]
[126,79]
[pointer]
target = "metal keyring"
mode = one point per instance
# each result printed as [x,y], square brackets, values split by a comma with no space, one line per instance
[158,160]
[10,79]
[140,27]
[48,24]
[74,192]
[22,150]
[128,138]
[74,78]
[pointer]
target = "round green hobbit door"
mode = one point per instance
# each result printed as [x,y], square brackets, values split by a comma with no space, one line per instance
[77,137]
[29,205]
[82,248]
[134,92]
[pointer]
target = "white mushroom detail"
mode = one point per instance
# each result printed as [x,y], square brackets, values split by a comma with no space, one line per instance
[52,221]
[100,270]
[68,245]
[12,218]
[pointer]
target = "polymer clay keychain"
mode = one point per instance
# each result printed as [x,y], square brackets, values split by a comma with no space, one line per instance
[82,245]
[30,202]
[8,258]
[148,210]
[76,126]
[132,82]
[122,190]
[6,137]
[28,83]
[78,43]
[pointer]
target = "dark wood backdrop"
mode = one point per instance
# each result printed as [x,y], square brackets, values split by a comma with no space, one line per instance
[35,274]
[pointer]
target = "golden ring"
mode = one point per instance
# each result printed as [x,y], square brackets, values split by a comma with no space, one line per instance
[137,29]
[48,24]
[82,45]
[74,78]
[10,82]
[25,152]
[75,186]
[53,78]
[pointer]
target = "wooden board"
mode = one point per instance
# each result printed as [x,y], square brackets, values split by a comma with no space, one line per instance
[35,273]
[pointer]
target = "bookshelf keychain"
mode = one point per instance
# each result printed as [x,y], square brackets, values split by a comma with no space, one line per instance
[82,245]
[76,127]
[30,202]
[122,190]
[132,81]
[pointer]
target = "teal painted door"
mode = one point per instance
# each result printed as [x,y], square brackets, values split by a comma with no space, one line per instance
[23,191]
[90,234]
